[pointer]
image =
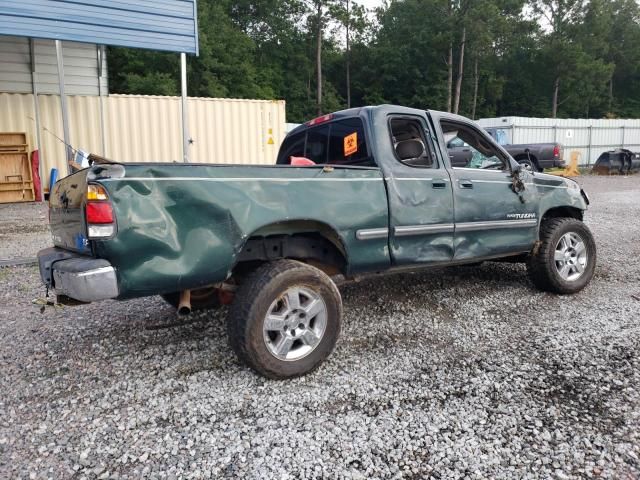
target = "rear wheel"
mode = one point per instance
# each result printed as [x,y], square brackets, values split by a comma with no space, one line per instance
[285,319]
[566,258]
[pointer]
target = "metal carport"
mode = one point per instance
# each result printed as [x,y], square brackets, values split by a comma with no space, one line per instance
[169,25]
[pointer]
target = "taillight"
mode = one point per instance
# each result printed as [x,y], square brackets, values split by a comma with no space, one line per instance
[99,213]
[556,151]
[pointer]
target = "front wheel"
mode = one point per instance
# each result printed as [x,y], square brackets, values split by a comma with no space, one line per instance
[285,319]
[566,257]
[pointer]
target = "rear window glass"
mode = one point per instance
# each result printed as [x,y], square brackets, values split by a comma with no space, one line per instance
[293,146]
[317,144]
[347,144]
[341,142]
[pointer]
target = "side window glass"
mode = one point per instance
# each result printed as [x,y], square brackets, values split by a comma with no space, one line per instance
[410,145]
[317,139]
[455,142]
[481,153]
[347,144]
[292,147]
[501,137]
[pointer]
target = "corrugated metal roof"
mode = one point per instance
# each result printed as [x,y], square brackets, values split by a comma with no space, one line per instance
[80,67]
[154,24]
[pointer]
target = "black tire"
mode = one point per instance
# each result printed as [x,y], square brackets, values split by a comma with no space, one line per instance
[543,268]
[201,299]
[254,299]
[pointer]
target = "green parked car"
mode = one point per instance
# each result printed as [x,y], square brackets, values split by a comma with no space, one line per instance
[356,192]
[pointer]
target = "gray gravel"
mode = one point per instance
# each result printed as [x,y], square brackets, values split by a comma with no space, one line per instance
[23,230]
[462,373]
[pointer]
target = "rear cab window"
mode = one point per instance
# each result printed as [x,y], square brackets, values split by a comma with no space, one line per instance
[410,144]
[340,142]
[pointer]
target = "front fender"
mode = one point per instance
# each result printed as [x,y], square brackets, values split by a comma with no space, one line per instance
[557,192]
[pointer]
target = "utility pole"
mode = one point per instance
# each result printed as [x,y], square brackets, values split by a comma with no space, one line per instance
[348,59]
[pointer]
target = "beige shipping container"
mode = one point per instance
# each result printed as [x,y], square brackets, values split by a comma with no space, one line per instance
[142,128]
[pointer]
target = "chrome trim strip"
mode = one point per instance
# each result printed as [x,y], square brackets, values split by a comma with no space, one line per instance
[372,233]
[547,186]
[240,179]
[487,181]
[474,226]
[481,170]
[409,230]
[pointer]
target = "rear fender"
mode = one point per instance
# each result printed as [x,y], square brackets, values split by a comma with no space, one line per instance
[310,240]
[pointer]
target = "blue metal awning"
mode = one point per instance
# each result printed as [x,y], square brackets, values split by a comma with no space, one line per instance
[169,25]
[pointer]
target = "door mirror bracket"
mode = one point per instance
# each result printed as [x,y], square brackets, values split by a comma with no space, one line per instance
[517,184]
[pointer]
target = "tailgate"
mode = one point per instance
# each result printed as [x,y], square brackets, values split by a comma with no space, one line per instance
[66,213]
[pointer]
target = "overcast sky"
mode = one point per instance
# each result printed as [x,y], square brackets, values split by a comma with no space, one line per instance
[369,3]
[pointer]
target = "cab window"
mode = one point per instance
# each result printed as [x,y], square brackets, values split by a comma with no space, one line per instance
[316,149]
[342,142]
[347,145]
[410,143]
[482,154]
[293,146]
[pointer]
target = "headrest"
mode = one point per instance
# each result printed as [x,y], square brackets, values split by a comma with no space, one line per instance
[407,149]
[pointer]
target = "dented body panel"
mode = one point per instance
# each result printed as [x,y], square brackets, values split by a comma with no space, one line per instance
[184,226]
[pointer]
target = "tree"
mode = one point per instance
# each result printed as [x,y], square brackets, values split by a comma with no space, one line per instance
[474,57]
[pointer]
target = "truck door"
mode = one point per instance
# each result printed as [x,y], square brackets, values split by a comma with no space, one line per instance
[490,218]
[420,194]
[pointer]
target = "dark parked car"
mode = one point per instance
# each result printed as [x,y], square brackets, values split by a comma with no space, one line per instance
[533,156]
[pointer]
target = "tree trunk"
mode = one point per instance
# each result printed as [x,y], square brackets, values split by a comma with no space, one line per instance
[554,106]
[319,60]
[610,93]
[348,53]
[456,101]
[449,75]
[476,80]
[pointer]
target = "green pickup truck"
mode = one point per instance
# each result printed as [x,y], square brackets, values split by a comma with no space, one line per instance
[357,192]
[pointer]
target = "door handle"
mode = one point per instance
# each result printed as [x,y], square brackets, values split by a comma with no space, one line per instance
[466,184]
[438,184]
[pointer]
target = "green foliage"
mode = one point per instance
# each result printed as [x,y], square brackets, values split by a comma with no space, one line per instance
[590,49]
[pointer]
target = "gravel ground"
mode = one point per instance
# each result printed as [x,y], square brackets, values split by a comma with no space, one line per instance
[462,373]
[23,230]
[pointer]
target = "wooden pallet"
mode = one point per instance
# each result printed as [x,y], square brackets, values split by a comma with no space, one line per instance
[16,182]
[13,142]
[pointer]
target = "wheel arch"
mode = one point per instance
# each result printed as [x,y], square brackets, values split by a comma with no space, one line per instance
[310,241]
[563,211]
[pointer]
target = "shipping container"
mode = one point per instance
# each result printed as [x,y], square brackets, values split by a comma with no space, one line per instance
[140,128]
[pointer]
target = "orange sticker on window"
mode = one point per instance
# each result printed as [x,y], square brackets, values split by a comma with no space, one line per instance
[351,144]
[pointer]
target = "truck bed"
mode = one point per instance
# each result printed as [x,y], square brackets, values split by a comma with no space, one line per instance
[182,226]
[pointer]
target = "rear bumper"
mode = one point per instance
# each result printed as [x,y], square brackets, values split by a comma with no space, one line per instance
[82,278]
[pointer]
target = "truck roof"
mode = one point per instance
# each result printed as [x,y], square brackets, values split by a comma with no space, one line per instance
[360,111]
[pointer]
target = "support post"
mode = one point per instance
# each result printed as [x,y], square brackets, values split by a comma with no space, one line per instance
[63,105]
[185,126]
[36,108]
[101,53]
[589,147]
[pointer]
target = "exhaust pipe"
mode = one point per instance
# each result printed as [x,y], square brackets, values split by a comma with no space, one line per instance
[184,307]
